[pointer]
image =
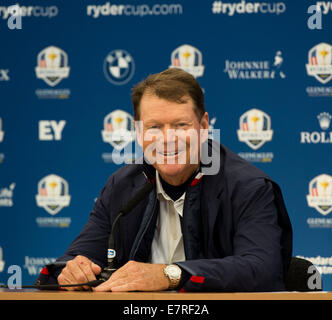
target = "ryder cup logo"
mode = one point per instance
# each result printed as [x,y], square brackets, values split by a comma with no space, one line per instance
[53,194]
[119,129]
[1,132]
[189,59]
[320,194]
[52,65]
[255,128]
[119,67]
[320,62]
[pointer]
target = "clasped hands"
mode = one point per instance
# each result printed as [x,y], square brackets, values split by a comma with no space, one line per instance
[133,276]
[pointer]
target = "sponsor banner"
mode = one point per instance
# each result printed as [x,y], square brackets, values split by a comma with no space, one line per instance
[255,130]
[2,262]
[2,133]
[6,196]
[52,67]
[320,62]
[319,66]
[256,69]
[319,137]
[119,131]
[53,222]
[257,156]
[189,59]
[320,194]
[323,264]
[53,196]
[324,6]
[248,7]
[49,130]
[119,67]
[31,11]
[140,10]
[34,265]
[52,93]
[319,91]
[4,75]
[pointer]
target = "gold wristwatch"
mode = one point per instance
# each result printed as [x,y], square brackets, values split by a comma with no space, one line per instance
[173,273]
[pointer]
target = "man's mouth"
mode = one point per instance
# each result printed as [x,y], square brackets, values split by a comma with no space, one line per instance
[170,153]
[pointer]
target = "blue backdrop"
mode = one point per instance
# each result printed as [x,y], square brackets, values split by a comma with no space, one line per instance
[66,66]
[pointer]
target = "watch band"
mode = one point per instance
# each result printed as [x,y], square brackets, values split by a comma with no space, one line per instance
[173,283]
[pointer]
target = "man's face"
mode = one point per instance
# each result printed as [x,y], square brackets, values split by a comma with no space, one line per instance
[171,136]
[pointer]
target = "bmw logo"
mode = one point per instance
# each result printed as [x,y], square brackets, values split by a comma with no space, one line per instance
[119,67]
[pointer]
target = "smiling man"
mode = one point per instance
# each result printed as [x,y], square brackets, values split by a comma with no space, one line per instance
[170,126]
[210,223]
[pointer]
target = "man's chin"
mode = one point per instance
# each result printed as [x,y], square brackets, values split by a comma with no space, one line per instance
[170,169]
[172,172]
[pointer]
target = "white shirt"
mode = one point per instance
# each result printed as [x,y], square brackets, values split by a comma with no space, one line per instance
[167,245]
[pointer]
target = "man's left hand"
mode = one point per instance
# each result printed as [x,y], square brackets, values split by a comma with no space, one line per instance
[136,276]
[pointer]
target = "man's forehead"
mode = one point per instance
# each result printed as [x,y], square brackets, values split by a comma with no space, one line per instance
[149,94]
[152,105]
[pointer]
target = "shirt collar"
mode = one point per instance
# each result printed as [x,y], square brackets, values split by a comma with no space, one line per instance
[161,192]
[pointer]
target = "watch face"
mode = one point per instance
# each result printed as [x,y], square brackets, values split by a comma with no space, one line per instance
[174,272]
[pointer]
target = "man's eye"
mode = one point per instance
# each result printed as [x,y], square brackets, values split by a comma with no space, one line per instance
[181,124]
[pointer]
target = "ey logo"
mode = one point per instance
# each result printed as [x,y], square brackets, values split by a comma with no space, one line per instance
[51,129]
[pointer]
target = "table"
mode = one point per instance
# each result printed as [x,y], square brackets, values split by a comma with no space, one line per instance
[31,294]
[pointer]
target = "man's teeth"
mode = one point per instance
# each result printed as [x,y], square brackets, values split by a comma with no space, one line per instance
[169,153]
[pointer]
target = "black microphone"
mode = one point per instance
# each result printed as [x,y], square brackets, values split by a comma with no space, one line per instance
[111,253]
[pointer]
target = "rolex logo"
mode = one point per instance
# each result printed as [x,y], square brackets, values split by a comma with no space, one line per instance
[324,119]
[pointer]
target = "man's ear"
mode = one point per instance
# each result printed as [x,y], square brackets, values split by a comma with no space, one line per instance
[139,132]
[204,125]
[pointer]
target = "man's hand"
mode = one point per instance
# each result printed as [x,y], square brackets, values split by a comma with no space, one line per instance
[78,270]
[136,276]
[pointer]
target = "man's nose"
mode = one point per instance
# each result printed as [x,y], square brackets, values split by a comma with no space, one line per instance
[170,137]
[166,140]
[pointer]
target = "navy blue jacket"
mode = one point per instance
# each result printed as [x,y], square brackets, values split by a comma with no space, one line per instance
[236,230]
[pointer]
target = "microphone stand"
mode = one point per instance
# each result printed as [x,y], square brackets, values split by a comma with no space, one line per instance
[111,253]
